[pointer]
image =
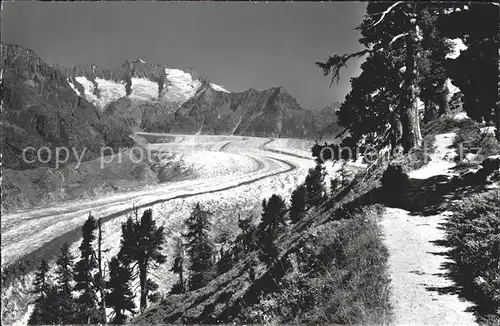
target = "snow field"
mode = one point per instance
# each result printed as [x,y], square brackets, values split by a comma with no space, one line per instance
[179,88]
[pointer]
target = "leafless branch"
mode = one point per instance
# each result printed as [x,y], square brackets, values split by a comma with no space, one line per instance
[388,10]
[395,38]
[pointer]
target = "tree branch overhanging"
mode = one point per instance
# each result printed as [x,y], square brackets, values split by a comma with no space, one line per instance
[395,38]
[337,62]
[388,10]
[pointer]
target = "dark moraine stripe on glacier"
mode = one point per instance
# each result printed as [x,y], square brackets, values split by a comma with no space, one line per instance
[263,147]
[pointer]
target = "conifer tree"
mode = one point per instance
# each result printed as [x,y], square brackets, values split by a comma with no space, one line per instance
[475,71]
[178,267]
[41,286]
[431,63]
[268,251]
[42,312]
[400,40]
[65,270]
[273,212]
[298,204]
[46,310]
[315,190]
[84,269]
[246,238]
[245,241]
[66,306]
[225,261]
[99,277]
[119,296]
[142,242]
[199,248]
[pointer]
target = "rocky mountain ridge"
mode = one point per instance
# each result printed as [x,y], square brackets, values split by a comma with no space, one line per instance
[40,109]
[87,106]
[152,97]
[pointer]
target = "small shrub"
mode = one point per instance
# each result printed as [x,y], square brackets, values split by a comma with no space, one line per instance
[474,234]
[489,146]
[447,124]
[416,157]
[394,179]
[469,139]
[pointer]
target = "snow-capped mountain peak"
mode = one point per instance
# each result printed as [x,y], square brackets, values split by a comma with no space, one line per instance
[146,82]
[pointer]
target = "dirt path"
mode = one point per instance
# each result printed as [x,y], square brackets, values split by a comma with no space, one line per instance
[420,286]
[416,268]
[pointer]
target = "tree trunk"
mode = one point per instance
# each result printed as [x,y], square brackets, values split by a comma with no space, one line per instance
[497,108]
[444,99]
[101,273]
[428,111]
[181,277]
[497,122]
[408,105]
[417,115]
[142,281]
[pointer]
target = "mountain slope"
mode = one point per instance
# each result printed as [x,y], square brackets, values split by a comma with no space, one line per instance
[261,113]
[156,98]
[41,109]
[269,113]
[137,79]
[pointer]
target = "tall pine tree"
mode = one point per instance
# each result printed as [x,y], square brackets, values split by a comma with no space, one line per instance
[245,242]
[43,313]
[40,285]
[226,254]
[178,267]
[199,248]
[47,309]
[66,305]
[119,296]
[314,187]
[273,212]
[142,242]
[84,270]
[475,71]
[405,60]
[298,204]
[431,62]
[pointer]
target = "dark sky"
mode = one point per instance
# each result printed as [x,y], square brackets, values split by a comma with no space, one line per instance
[237,45]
